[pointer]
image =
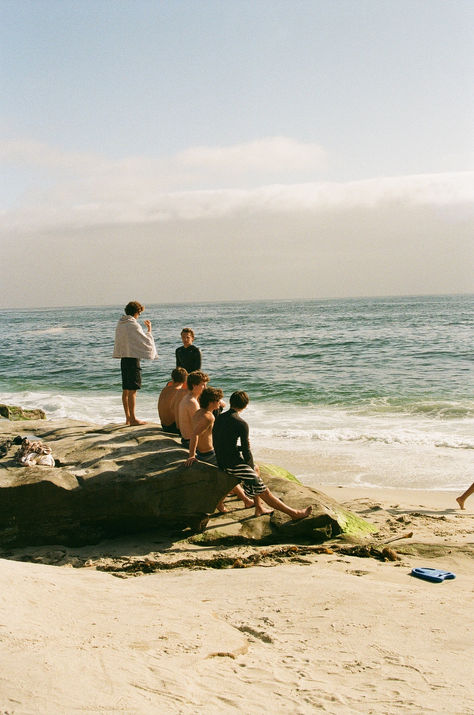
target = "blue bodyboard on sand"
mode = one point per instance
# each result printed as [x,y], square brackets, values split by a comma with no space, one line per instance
[435,575]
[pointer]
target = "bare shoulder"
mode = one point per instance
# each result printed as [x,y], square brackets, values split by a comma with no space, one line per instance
[176,396]
[209,417]
[189,404]
[166,390]
[202,419]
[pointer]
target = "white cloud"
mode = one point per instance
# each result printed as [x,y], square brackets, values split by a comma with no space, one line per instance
[271,154]
[124,200]
[92,191]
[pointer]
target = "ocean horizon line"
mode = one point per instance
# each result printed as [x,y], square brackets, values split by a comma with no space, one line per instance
[247,301]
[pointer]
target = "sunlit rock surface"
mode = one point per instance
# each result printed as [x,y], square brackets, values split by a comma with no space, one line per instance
[112,480]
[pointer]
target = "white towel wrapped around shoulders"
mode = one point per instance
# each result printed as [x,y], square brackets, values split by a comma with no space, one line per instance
[132,341]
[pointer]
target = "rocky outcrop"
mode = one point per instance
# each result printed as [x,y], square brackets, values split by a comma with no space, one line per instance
[114,480]
[12,412]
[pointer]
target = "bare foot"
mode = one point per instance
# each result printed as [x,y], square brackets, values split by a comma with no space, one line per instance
[238,491]
[302,513]
[135,423]
[260,510]
[248,502]
[221,507]
[460,501]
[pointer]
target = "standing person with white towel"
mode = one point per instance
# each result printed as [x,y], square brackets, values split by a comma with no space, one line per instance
[131,345]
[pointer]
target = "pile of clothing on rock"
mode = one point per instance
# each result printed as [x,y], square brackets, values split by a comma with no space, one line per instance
[32,451]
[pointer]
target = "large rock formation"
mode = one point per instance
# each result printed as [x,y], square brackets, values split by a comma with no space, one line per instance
[112,480]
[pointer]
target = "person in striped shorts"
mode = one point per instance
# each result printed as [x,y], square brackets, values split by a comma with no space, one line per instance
[229,430]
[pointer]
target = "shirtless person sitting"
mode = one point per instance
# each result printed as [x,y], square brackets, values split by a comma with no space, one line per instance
[177,401]
[237,460]
[196,382]
[200,444]
[167,399]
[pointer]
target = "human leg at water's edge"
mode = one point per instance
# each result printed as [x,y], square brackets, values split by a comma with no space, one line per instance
[129,401]
[460,500]
[131,382]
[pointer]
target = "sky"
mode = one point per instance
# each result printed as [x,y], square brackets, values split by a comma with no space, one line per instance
[193,150]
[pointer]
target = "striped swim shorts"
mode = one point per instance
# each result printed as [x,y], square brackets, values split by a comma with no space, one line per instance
[253,485]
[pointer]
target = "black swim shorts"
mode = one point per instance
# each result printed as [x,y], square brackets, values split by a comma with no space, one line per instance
[209,457]
[131,374]
[170,428]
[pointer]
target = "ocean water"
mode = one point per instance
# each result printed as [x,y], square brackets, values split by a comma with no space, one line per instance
[376,392]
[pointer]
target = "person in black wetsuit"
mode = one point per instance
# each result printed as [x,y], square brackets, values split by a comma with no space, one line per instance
[188,355]
[230,429]
[200,442]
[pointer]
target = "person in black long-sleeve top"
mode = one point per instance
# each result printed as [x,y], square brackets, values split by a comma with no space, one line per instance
[188,355]
[231,430]
[237,460]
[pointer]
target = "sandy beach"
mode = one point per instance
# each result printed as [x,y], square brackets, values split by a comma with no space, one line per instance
[276,196]
[298,633]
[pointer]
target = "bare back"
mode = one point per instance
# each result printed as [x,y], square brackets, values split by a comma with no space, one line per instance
[166,403]
[177,401]
[202,422]
[187,408]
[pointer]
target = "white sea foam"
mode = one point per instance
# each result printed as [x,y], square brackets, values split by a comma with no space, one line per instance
[47,331]
[409,437]
[335,446]
[271,424]
[91,407]
[313,424]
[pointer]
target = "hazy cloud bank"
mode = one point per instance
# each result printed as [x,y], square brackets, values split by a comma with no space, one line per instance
[106,231]
[84,190]
[357,252]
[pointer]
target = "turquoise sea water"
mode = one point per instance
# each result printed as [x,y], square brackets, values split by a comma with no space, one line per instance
[328,379]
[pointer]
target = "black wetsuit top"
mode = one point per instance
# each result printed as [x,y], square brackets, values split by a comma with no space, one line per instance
[228,429]
[189,358]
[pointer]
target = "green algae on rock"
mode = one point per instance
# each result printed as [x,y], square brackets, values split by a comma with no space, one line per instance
[354,525]
[14,413]
[272,470]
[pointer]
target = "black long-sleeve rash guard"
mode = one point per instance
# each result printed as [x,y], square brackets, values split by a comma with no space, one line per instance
[189,358]
[229,428]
